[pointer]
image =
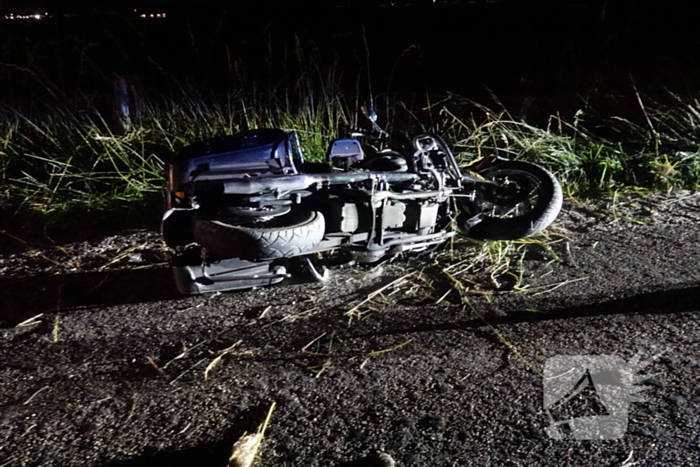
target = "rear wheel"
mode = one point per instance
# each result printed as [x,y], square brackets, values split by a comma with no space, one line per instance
[525,200]
[285,236]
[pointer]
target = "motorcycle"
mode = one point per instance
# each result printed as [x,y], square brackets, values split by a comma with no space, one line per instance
[247,210]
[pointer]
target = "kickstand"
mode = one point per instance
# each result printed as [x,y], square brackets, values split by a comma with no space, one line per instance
[319,275]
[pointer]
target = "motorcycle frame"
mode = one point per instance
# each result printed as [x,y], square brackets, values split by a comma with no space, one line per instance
[288,186]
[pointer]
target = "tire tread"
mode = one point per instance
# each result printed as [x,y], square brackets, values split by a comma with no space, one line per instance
[256,243]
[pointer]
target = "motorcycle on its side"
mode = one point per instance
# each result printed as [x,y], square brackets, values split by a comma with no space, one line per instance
[247,210]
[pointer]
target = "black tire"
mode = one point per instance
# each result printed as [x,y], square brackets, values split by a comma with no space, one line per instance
[285,236]
[533,201]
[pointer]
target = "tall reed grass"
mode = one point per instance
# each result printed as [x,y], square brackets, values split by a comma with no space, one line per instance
[99,148]
[662,153]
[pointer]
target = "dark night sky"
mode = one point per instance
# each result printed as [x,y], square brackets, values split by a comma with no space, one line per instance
[125,5]
[116,5]
[516,48]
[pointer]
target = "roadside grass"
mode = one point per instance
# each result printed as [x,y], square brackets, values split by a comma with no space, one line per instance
[97,150]
[661,154]
[88,140]
[70,161]
[76,161]
[79,139]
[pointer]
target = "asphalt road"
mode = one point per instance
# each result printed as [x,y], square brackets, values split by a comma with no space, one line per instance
[120,370]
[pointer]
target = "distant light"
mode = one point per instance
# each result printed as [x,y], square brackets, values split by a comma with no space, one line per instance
[12,16]
[152,15]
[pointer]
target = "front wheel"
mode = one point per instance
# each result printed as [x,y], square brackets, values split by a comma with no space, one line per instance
[523,200]
[292,234]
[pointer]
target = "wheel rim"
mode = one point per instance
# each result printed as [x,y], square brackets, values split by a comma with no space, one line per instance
[290,218]
[515,195]
[251,212]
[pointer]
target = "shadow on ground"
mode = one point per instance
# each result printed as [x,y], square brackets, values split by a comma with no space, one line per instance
[24,297]
[216,453]
[661,302]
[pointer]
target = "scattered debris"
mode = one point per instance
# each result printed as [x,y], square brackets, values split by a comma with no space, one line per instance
[217,360]
[628,462]
[265,311]
[155,365]
[133,250]
[391,349]
[386,460]
[354,311]
[555,286]
[245,449]
[34,395]
[56,323]
[31,321]
[184,353]
[188,370]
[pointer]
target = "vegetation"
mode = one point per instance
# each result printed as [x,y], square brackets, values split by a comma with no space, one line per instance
[86,140]
[68,161]
[663,155]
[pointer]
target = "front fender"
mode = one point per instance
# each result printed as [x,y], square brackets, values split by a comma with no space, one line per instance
[485,162]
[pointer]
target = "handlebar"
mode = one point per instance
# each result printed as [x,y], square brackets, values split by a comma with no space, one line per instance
[375,134]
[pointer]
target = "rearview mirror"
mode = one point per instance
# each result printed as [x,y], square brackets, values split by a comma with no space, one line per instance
[369,113]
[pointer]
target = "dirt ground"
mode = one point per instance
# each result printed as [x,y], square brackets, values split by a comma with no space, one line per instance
[431,361]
